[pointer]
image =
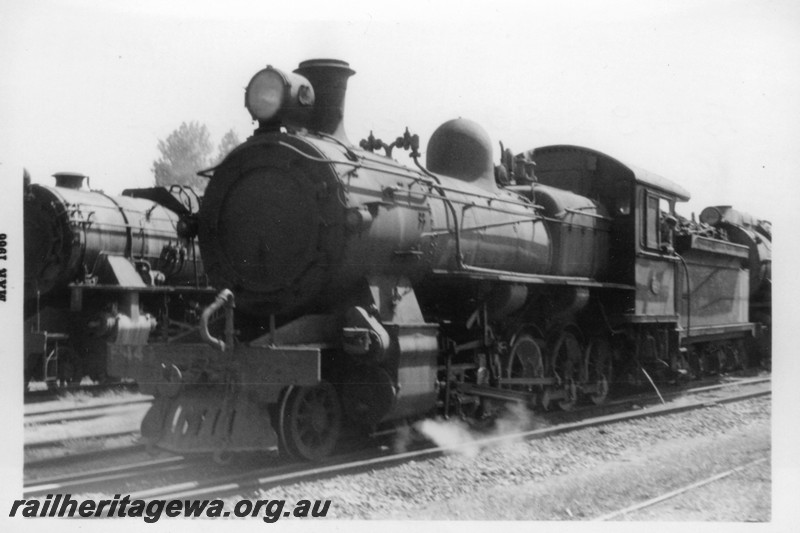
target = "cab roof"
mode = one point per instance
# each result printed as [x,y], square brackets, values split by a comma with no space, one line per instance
[563,161]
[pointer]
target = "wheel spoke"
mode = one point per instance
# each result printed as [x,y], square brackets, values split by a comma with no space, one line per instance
[311,421]
[566,358]
[599,369]
[526,359]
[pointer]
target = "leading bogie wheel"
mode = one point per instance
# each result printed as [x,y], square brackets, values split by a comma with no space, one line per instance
[310,421]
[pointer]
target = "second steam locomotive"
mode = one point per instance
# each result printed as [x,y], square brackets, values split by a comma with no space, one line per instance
[106,270]
[367,292]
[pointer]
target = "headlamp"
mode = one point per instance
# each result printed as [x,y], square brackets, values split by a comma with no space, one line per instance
[275,96]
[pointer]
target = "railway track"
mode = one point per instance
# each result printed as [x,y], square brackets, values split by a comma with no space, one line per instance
[135,468]
[621,514]
[69,460]
[46,395]
[267,478]
[83,412]
[84,480]
[58,433]
[60,442]
[242,479]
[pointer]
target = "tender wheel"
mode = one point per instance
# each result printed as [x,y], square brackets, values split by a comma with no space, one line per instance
[310,421]
[566,365]
[735,355]
[713,360]
[599,369]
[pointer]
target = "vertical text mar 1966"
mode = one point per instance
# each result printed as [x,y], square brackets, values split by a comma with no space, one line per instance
[3,271]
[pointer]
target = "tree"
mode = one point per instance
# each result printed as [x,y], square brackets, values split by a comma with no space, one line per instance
[229,141]
[183,153]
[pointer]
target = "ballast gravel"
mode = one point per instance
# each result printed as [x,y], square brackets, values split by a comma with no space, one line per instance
[412,489]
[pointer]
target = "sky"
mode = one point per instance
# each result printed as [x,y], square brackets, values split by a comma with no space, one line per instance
[705,93]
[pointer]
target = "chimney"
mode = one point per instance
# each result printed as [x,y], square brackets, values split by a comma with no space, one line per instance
[328,77]
[69,180]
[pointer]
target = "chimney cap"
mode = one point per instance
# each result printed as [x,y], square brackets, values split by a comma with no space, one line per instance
[328,77]
[333,63]
[69,180]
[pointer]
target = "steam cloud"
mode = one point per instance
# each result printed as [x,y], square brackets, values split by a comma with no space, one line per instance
[458,437]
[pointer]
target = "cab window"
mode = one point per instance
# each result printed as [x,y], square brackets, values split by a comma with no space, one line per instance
[657,209]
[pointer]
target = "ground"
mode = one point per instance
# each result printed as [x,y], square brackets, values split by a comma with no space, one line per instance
[640,475]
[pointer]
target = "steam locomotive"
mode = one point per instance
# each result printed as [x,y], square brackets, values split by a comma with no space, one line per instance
[103,269]
[367,292]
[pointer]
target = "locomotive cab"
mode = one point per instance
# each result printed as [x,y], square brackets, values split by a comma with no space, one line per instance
[640,205]
[689,289]
[656,263]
